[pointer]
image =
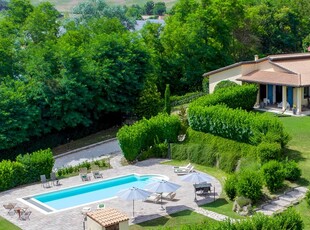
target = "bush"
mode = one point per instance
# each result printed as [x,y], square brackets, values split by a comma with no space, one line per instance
[235,124]
[268,151]
[233,97]
[224,84]
[207,149]
[230,187]
[290,219]
[36,164]
[140,136]
[11,174]
[186,98]
[308,197]
[291,170]
[249,184]
[273,175]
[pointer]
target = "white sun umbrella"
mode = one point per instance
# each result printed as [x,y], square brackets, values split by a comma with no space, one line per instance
[161,186]
[196,178]
[132,194]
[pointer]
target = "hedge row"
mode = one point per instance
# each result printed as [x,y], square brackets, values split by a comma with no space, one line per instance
[207,149]
[237,124]
[184,99]
[144,133]
[25,169]
[234,97]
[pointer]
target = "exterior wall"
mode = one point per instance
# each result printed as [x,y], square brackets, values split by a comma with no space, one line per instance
[124,225]
[93,225]
[230,74]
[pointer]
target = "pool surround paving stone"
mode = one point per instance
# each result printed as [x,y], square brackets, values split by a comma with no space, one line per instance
[73,219]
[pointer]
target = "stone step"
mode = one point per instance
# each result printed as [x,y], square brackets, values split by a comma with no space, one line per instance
[273,207]
[265,212]
[296,194]
[301,189]
[289,198]
[283,203]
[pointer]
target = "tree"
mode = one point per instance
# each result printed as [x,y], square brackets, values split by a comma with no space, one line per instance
[167,100]
[159,8]
[19,11]
[149,7]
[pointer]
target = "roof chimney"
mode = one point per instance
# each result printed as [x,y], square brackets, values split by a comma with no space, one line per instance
[255,57]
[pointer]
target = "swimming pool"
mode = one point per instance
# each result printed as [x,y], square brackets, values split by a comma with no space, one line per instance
[64,199]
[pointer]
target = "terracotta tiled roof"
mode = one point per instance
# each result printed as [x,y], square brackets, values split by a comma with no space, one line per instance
[268,77]
[107,216]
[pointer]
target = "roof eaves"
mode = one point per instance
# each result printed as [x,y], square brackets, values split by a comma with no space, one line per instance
[234,65]
[282,67]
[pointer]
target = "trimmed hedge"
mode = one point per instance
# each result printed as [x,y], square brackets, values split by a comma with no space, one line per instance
[224,84]
[37,163]
[234,97]
[184,99]
[236,124]
[207,149]
[140,136]
[25,169]
[274,175]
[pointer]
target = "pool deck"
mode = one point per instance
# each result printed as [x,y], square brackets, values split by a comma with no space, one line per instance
[73,219]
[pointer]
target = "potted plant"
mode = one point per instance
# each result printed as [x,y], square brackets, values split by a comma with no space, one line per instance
[294,109]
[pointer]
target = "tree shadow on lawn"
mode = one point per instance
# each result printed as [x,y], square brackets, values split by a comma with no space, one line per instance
[218,203]
[293,155]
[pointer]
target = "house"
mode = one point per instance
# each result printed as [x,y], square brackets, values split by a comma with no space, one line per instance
[283,80]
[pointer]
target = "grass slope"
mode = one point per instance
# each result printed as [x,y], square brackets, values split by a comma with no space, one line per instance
[4,224]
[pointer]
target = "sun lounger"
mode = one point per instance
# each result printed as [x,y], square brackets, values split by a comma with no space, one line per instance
[44,181]
[184,170]
[153,198]
[95,171]
[10,207]
[169,196]
[183,167]
[54,179]
[83,174]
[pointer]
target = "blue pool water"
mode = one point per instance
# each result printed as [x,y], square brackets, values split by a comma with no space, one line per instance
[89,193]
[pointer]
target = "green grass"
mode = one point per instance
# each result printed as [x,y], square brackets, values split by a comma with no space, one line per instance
[299,149]
[174,221]
[4,224]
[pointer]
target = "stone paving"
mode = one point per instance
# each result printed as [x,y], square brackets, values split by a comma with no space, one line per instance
[210,214]
[73,219]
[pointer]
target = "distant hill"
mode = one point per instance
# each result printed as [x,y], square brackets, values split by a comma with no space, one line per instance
[67,5]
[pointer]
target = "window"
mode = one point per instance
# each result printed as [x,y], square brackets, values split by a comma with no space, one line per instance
[306,92]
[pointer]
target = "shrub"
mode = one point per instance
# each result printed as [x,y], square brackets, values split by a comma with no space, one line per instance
[243,201]
[291,170]
[233,97]
[141,135]
[36,164]
[235,124]
[268,151]
[230,187]
[290,219]
[186,98]
[167,100]
[11,174]
[224,84]
[207,149]
[308,198]
[205,85]
[273,175]
[249,184]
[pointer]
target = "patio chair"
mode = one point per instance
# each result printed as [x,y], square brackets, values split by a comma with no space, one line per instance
[169,195]
[25,215]
[10,207]
[153,198]
[95,171]
[184,170]
[183,167]
[44,181]
[83,174]
[54,179]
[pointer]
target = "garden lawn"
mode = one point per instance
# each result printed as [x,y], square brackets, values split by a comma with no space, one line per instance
[299,149]
[174,221]
[4,224]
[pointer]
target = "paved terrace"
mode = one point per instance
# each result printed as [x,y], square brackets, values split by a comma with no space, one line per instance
[73,219]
